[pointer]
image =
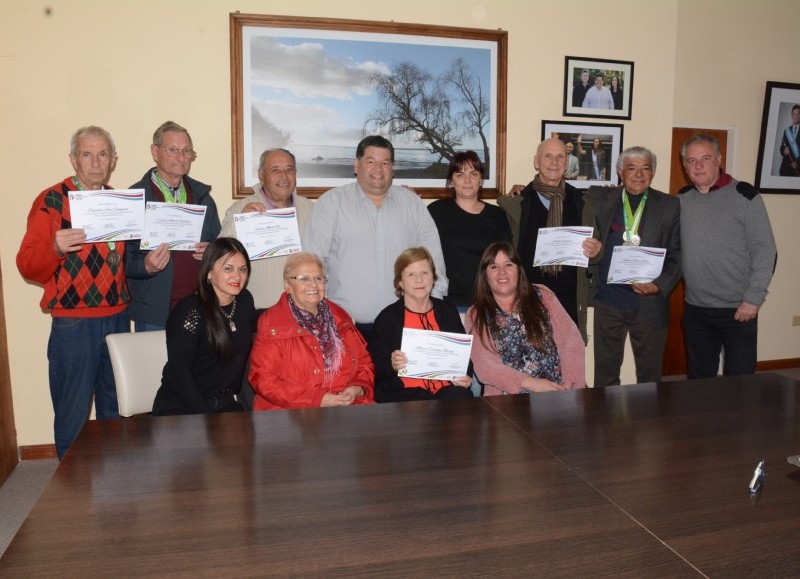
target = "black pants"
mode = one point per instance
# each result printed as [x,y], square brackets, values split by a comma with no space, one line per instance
[611,326]
[709,331]
[446,393]
[366,330]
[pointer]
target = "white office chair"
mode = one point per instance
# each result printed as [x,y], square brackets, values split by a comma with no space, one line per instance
[137,360]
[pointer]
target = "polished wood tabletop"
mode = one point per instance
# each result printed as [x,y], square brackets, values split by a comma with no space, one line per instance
[678,458]
[646,480]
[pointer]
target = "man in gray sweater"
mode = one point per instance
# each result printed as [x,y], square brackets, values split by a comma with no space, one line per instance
[728,258]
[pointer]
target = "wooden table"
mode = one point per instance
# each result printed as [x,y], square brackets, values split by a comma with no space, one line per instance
[647,480]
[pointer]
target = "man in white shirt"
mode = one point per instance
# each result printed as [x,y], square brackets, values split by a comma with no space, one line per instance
[598,97]
[359,229]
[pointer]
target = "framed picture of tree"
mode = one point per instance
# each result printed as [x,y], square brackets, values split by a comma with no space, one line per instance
[317,86]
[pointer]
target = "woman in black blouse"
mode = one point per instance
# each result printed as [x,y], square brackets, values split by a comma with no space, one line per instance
[466,226]
[209,335]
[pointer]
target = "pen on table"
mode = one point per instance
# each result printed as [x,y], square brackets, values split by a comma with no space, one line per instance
[758,477]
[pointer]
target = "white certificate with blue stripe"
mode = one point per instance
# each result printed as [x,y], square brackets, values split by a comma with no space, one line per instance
[631,264]
[268,234]
[435,355]
[108,214]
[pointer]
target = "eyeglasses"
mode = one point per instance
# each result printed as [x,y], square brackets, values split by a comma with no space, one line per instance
[307,279]
[176,152]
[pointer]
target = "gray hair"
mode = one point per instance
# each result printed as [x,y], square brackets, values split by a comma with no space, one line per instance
[268,152]
[701,138]
[296,259]
[91,131]
[636,153]
[170,127]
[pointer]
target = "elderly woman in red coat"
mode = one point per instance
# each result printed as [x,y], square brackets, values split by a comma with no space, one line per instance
[307,352]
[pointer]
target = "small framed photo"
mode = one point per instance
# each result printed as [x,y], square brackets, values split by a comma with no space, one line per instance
[592,151]
[778,164]
[596,87]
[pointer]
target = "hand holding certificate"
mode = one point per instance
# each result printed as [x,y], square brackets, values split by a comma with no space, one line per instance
[631,264]
[108,214]
[268,234]
[435,355]
[561,246]
[179,225]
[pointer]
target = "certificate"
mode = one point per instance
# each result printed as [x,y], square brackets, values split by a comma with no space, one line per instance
[177,224]
[108,214]
[435,355]
[632,264]
[268,234]
[561,246]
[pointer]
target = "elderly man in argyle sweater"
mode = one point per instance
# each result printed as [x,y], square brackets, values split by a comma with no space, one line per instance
[84,290]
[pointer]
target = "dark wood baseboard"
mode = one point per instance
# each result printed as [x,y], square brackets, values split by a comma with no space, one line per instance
[37,451]
[40,451]
[769,365]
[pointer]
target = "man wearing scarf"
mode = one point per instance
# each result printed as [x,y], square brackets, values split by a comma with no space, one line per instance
[548,201]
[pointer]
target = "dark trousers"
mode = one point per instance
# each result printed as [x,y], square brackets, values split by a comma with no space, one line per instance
[611,327]
[445,393]
[366,330]
[709,331]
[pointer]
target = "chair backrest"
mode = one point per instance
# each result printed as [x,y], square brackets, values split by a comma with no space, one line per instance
[138,360]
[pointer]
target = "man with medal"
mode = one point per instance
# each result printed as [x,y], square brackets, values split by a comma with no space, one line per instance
[276,189]
[84,290]
[157,279]
[633,215]
[728,261]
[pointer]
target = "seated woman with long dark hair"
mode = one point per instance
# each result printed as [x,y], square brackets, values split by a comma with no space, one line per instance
[524,340]
[414,277]
[209,334]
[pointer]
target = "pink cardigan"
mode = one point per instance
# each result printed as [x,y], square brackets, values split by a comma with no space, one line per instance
[498,378]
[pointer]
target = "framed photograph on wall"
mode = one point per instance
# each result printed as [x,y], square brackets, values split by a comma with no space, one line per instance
[778,164]
[592,151]
[317,86]
[596,87]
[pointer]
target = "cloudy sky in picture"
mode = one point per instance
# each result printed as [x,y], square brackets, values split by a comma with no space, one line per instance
[317,90]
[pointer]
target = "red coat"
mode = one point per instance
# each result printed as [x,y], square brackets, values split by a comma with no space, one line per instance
[286,366]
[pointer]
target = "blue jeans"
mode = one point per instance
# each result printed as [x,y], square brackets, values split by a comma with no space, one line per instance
[146,327]
[80,370]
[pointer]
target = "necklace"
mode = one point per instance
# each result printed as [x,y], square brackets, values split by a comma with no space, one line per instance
[229,317]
